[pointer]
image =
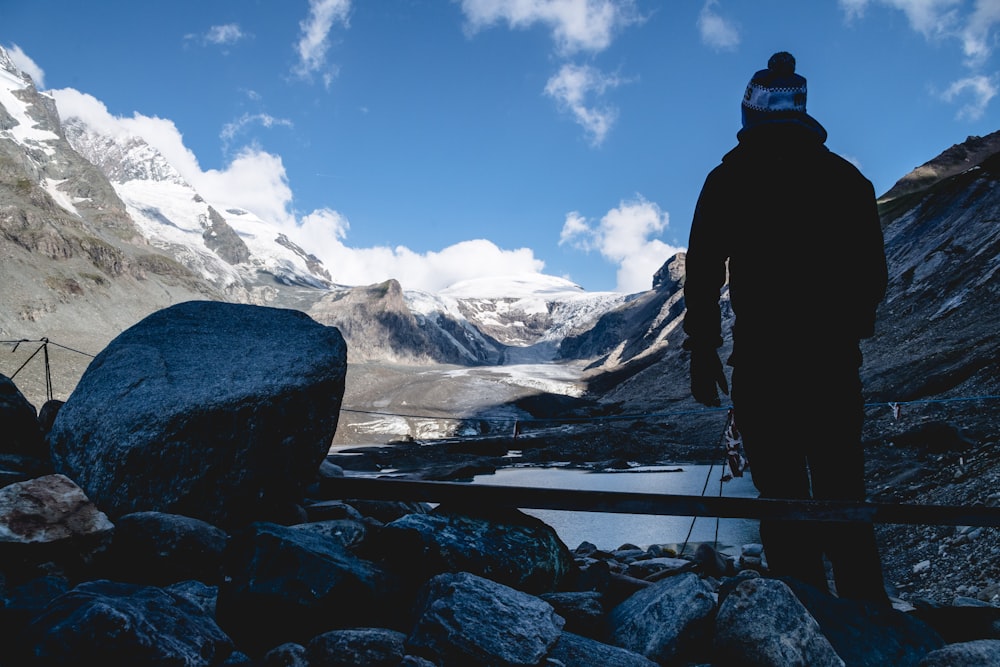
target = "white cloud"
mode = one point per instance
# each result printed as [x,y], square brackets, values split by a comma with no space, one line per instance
[223,35]
[854,9]
[624,236]
[981,89]
[717,31]
[24,63]
[573,87]
[576,25]
[931,18]
[324,232]
[257,181]
[231,130]
[979,35]
[940,20]
[576,232]
[314,41]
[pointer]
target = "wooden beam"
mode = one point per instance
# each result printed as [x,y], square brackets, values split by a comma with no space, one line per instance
[484,495]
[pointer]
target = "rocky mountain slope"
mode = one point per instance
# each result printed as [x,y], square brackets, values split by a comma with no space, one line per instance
[950,162]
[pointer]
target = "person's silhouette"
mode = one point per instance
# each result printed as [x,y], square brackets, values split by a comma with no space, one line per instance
[794,229]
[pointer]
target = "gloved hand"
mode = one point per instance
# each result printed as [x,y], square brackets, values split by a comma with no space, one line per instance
[707,374]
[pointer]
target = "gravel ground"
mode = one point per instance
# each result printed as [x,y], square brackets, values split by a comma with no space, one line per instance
[939,563]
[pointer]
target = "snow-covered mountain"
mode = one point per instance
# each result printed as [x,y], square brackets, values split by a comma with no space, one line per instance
[227,247]
[104,230]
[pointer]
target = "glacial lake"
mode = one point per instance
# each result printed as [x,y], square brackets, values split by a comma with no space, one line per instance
[611,530]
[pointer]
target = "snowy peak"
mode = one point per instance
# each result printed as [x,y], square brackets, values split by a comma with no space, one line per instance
[529,309]
[229,247]
[120,159]
[28,117]
[513,286]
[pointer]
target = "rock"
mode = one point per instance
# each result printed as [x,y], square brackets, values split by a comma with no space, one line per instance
[375,647]
[583,611]
[465,619]
[349,533]
[712,562]
[961,622]
[48,509]
[111,623]
[197,593]
[282,584]
[667,621]
[48,520]
[19,423]
[217,411]
[26,601]
[659,567]
[507,546]
[965,654]
[574,650]
[286,655]
[47,415]
[387,511]
[302,596]
[159,549]
[761,622]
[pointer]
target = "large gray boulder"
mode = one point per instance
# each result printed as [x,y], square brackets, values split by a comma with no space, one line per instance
[218,411]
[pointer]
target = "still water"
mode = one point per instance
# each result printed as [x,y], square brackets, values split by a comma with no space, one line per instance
[610,530]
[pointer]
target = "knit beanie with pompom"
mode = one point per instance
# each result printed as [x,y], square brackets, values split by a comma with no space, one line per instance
[775,94]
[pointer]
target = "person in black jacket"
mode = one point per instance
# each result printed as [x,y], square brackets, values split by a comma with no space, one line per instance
[794,229]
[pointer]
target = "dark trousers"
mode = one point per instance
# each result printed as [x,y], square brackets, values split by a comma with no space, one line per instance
[801,431]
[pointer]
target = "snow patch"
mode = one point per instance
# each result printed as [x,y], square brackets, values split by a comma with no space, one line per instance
[51,186]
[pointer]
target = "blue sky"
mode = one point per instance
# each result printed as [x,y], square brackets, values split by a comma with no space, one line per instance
[437,140]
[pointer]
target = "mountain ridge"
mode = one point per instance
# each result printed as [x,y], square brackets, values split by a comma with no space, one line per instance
[950,162]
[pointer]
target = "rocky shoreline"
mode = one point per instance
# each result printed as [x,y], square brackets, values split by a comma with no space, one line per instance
[370,582]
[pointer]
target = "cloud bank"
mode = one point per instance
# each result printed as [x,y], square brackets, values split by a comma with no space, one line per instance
[256,180]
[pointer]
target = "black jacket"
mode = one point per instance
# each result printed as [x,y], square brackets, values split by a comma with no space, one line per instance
[799,228]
